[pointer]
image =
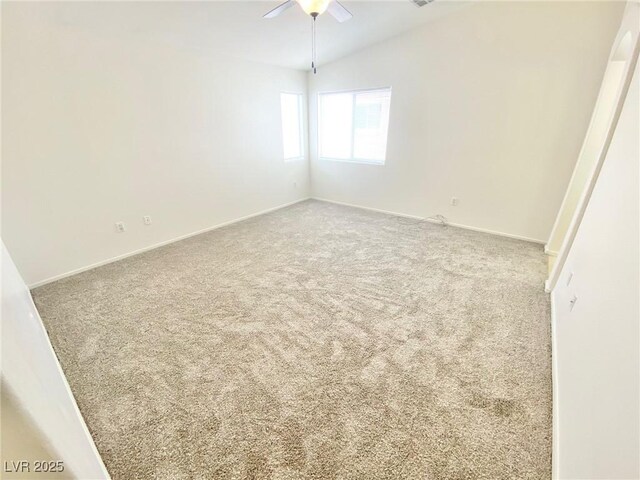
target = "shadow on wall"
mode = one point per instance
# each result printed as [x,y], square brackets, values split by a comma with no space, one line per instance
[594,148]
[25,453]
[34,385]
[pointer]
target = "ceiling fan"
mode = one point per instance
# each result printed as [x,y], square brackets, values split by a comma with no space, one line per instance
[314,8]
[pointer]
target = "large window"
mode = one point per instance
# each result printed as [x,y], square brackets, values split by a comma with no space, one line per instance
[353,125]
[292,142]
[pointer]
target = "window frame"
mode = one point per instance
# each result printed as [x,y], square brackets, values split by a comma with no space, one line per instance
[352,158]
[301,126]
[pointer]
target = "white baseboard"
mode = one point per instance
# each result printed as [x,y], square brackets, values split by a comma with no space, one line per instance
[32,375]
[551,253]
[555,466]
[458,225]
[73,405]
[371,209]
[161,244]
[262,212]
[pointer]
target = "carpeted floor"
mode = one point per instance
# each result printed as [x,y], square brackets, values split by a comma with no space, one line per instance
[315,342]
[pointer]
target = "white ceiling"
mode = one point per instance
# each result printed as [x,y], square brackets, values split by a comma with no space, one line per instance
[237,28]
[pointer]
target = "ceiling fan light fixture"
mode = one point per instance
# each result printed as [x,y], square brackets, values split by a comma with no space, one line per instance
[314,6]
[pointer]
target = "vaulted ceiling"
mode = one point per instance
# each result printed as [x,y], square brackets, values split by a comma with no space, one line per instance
[237,28]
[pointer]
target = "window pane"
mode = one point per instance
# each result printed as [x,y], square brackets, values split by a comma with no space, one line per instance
[336,115]
[291,105]
[371,125]
[353,126]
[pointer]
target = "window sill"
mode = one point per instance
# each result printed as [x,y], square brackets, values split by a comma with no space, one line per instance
[354,160]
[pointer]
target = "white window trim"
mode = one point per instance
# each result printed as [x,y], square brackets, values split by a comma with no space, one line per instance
[302,155]
[361,161]
[352,159]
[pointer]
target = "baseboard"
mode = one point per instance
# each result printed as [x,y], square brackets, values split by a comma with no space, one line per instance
[551,253]
[161,244]
[457,225]
[371,209]
[74,405]
[33,376]
[555,466]
[495,232]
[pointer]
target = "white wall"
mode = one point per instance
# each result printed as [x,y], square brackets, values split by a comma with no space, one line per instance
[22,440]
[31,371]
[597,358]
[99,128]
[599,128]
[603,120]
[490,104]
[597,140]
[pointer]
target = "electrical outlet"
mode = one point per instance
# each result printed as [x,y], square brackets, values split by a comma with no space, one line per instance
[120,227]
[454,201]
[147,220]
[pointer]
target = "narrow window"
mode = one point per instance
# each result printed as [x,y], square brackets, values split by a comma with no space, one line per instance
[353,126]
[292,142]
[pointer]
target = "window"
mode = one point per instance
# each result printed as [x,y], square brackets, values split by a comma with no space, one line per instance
[353,125]
[292,143]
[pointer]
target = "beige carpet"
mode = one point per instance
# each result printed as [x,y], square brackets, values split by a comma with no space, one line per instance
[318,341]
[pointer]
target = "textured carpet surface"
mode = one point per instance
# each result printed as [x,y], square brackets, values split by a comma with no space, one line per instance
[318,341]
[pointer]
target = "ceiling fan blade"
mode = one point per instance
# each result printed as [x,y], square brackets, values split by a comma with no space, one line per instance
[337,11]
[279,9]
[421,3]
